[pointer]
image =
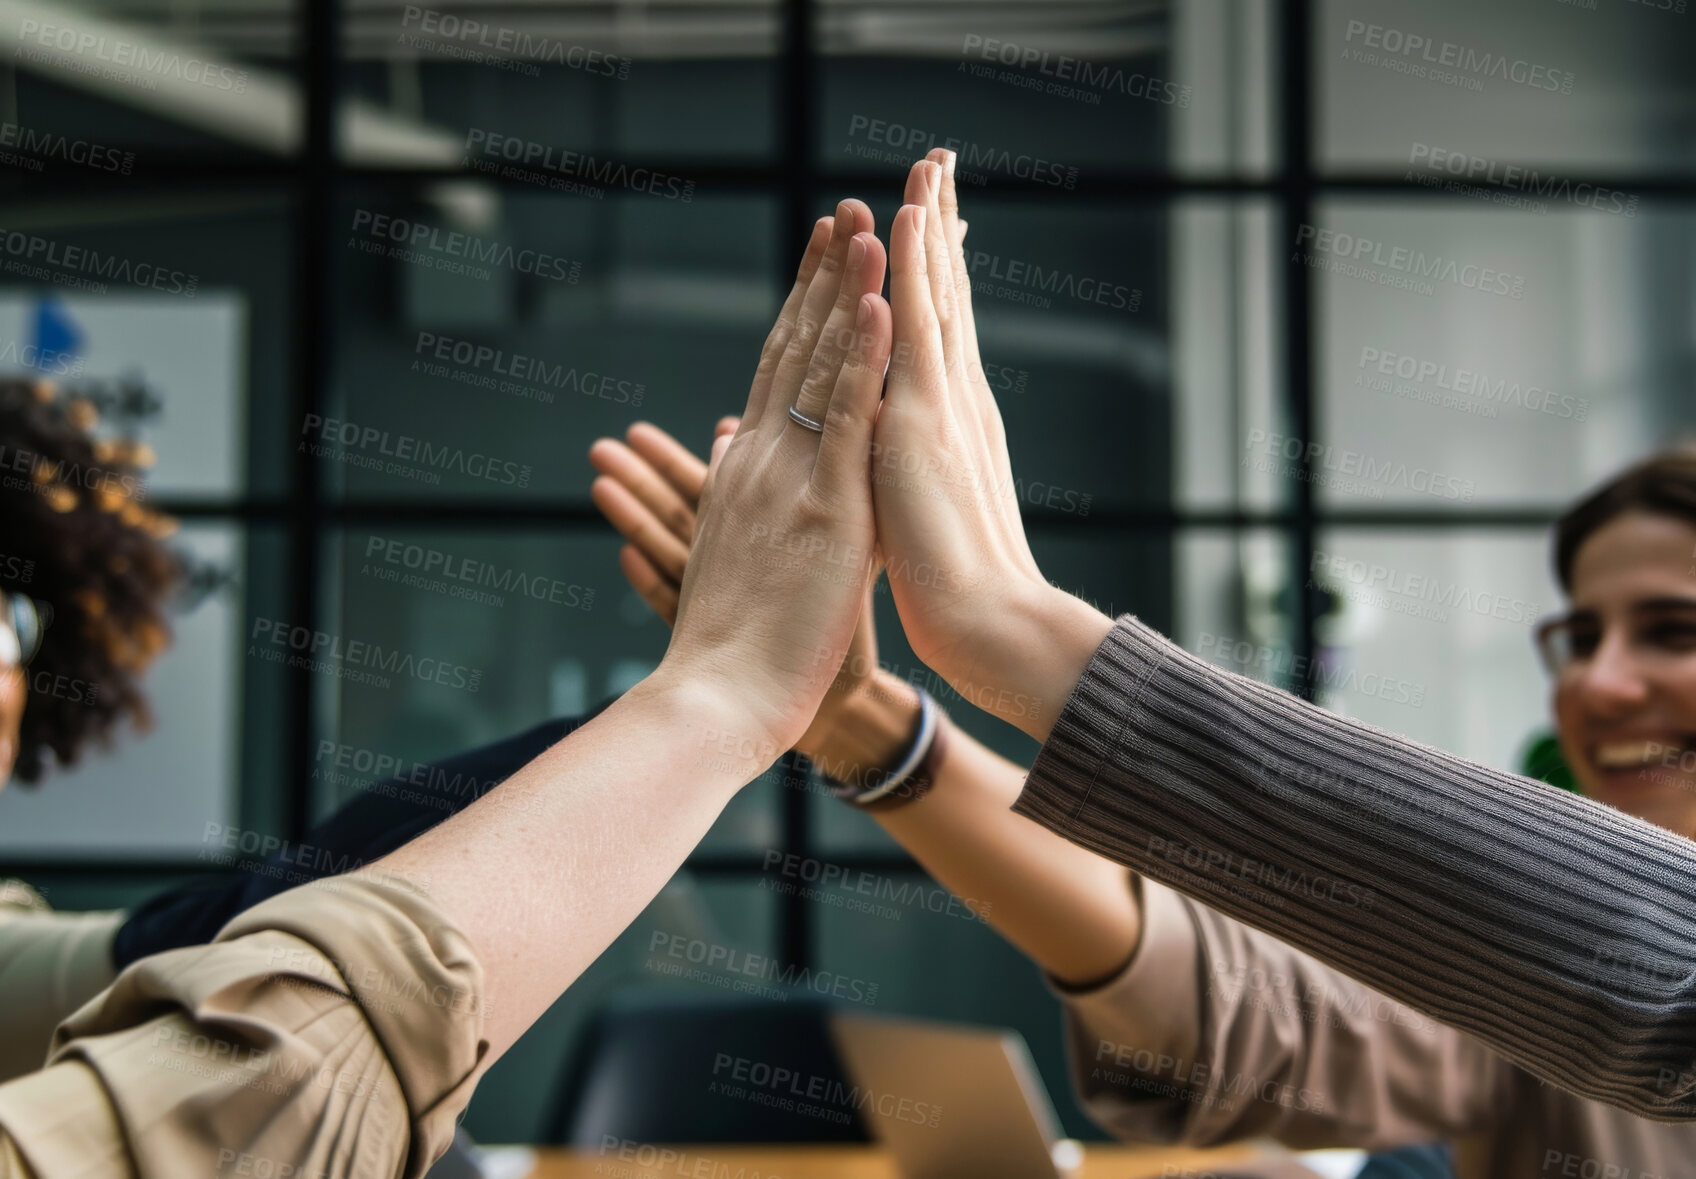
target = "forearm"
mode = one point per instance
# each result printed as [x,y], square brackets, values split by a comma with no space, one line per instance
[1556,930]
[544,873]
[1071,911]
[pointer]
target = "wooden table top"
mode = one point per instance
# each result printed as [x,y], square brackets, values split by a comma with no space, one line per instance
[855,1162]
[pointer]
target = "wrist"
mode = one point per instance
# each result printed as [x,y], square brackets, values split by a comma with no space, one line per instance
[721,741]
[1049,639]
[872,724]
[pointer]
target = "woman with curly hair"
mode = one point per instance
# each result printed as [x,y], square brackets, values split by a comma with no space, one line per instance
[86,577]
[339,1028]
[85,580]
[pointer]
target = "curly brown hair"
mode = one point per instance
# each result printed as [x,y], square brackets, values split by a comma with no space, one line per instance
[78,542]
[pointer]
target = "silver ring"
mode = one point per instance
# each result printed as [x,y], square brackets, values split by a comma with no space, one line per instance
[816,427]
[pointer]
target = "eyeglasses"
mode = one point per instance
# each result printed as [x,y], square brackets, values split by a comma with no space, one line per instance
[1658,638]
[20,637]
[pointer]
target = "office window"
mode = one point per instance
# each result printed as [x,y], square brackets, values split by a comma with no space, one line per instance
[1300,354]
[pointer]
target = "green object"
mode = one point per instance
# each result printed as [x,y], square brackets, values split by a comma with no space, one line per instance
[1542,760]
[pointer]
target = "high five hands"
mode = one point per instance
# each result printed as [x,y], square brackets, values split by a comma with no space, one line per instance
[764,558]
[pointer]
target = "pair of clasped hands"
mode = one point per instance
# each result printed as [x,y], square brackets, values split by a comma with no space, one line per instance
[764,558]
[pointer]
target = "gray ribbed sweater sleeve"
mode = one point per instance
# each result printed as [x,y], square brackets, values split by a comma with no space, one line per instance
[1560,932]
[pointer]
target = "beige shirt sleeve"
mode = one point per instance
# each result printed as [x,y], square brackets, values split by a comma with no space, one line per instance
[1216,1032]
[50,964]
[334,1029]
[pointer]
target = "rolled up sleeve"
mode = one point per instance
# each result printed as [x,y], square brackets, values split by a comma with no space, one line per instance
[335,1029]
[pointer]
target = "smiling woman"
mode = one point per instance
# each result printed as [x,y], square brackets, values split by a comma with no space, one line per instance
[1624,657]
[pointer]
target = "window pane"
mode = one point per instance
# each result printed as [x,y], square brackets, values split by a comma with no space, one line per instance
[582,317]
[1449,88]
[155,793]
[1430,635]
[571,92]
[454,639]
[1532,357]
[171,309]
[1018,92]
[115,86]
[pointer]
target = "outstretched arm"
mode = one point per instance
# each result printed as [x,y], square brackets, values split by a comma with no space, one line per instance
[341,1027]
[1556,930]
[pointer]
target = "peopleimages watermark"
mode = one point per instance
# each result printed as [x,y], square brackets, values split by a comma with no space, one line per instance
[1275,772]
[1564,1164]
[29,255]
[452,251]
[483,366]
[1402,267]
[858,891]
[439,571]
[926,473]
[899,143]
[355,660]
[1035,285]
[454,36]
[1445,62]
[22,469]
[260,853]
[1496,181]
[1677,8]
[563,170]
[1160,1074]
[259,1166]
[729,968]
[404,779]
[744,1077]
[375,986]
[855,673]
[1311,1000]
[1254,879]
[35,147]
[668,1160]
[373,448]
[1453,387]
[1061,75]
[1327,672]
[53,362]
[1348,470]
[1414,594]
[118,59]
[229,1064]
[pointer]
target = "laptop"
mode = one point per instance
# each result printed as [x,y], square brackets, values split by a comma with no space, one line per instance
[953,1102]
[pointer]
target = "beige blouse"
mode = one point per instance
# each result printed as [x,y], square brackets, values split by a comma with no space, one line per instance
[50,964]
[334,1029]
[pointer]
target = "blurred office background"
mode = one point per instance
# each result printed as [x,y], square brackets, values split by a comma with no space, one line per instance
[1274,457]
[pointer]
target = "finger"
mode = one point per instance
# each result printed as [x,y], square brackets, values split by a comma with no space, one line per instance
[845,447]
[617,461]
[916,372]
[777,340]
[956,234]
[653,586]
[815,311]
[954,309]
[640,526]
[727,425]
[924,187]
[864,275]
[674,461]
